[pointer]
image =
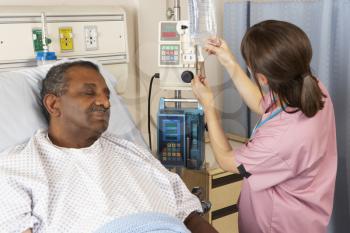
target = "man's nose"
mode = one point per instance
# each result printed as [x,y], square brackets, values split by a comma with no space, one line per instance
[103,100]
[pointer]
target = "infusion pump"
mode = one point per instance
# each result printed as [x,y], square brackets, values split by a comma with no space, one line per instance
[177,57]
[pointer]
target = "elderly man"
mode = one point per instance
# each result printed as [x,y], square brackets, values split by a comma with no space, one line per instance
[75,177]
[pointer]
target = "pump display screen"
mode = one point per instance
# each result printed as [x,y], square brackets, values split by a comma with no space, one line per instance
[168,32]
[171,130]
[171,140]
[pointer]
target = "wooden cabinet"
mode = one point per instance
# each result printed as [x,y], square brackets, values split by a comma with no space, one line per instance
[227,223]
[222,190]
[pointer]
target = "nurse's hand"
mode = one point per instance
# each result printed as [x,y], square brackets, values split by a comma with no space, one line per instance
[203,92]
[220,48]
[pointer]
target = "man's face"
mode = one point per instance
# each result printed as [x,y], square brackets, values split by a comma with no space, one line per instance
[85,105]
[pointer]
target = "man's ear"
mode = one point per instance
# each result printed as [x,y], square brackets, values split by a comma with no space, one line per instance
[51,103]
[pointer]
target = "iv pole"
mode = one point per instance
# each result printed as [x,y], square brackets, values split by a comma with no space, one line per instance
[177,17]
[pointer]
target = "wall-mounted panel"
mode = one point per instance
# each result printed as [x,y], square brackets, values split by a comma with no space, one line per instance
[67,32]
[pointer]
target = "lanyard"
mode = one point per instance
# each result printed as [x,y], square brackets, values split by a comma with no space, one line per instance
[261,123]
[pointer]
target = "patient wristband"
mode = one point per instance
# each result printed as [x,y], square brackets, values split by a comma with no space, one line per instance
[243,172]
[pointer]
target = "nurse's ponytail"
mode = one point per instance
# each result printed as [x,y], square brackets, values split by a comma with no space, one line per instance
[311,96]
[282,53]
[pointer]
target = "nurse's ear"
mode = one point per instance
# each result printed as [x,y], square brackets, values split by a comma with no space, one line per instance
[262,79]
[51,103]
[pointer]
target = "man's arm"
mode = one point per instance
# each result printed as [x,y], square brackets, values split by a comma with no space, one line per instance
[196,224]
[15,201]
[188,205]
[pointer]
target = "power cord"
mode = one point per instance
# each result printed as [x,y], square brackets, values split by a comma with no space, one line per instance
[156,75]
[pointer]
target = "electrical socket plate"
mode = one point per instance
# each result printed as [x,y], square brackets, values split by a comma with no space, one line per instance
[66,39]
[91,37]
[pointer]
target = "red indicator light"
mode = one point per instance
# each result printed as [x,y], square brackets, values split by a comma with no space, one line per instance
[168,34]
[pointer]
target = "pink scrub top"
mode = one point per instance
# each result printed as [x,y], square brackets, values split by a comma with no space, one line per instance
[292,160]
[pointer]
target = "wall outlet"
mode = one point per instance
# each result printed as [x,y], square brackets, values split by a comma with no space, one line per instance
[91,37]
[66,39]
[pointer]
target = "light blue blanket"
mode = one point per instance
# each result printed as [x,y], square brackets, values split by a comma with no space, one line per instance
[144,222]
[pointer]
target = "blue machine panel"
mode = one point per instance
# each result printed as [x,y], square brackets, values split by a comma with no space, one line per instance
[181,137]
[171,144]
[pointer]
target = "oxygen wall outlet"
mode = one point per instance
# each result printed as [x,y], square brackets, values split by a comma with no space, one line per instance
[38,43]
[66,39]
[37,39]
[91,37]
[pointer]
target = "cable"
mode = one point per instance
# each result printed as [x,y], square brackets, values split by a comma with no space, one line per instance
[156,75]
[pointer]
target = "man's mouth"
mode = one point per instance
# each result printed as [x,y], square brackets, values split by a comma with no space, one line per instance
[101,113]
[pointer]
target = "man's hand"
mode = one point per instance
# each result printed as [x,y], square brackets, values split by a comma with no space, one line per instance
[196,224]
[28,231]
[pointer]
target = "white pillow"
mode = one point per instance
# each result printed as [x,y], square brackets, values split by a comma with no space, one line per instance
[21,113]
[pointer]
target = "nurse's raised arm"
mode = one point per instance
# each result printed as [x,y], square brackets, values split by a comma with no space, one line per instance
[248,90]
[222,149]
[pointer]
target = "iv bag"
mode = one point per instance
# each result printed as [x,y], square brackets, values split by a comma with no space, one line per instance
[202,20]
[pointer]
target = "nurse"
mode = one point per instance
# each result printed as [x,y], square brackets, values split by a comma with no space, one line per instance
[289,163]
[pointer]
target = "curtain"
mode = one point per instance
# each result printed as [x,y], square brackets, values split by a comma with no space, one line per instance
[327,25]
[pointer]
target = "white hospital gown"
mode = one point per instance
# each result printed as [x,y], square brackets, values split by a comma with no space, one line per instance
[54,189]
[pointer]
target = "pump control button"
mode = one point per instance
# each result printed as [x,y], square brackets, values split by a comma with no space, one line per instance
[187,76]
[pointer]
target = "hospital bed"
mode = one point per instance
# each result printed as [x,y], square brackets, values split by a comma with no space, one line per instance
[22,115]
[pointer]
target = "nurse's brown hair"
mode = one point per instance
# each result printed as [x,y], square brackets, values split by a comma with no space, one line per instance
[282,52]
